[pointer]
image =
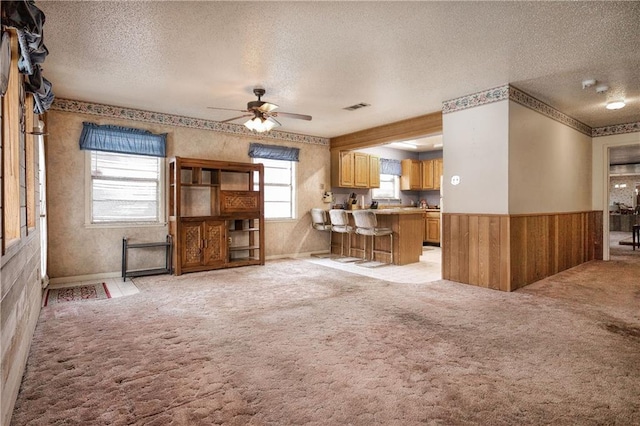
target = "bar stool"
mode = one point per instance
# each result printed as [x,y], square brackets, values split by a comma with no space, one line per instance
[320,222]
[367,225]
[636,236]
[340,224]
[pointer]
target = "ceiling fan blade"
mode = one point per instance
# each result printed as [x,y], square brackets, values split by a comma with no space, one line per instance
[292,115]
[235,118]
[229,109]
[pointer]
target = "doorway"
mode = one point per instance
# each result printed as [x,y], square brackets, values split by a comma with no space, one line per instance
[623,199]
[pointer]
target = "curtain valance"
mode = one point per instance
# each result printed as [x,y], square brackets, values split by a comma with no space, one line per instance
[28,21]
[273,152]
[390,167]
[124,140]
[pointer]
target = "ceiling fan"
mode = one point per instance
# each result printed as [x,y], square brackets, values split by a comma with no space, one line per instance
[262,113]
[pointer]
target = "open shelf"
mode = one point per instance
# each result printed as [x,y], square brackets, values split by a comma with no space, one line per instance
[216,211]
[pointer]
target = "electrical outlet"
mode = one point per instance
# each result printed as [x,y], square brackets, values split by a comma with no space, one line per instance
[322,186]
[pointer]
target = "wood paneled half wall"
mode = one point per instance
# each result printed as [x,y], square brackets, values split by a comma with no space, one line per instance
[506,252]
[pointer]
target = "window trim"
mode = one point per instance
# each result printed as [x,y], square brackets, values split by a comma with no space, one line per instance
[294,189]
[396,190]
[88,199]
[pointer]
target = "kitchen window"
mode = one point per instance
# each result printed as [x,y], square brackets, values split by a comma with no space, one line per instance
[125,188]
[389,188]
[279,188]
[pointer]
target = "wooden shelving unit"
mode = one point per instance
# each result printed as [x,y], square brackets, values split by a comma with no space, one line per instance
[216,214]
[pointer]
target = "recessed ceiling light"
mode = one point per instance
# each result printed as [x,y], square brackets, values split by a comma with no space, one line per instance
[615,104]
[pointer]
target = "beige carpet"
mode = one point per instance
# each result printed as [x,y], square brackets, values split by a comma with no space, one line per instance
[297,343]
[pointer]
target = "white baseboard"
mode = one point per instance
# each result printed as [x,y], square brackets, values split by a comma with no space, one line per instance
[89,277]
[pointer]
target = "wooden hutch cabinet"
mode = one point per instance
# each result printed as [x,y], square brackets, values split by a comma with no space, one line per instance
[216,214]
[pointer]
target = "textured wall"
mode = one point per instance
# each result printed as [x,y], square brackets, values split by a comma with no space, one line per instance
[549,164]
[77,249]
[476,148]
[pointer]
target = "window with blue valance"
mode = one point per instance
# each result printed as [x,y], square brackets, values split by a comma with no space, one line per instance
[124,140]
[273,152]
[390,167]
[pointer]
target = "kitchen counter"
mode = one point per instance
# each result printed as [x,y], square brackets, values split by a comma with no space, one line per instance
[408,229]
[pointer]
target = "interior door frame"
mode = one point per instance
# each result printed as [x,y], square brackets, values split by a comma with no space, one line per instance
[607,142]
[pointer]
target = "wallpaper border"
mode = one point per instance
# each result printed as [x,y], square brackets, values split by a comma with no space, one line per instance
[110,111]
[511,92]
[617,129]
[484,97]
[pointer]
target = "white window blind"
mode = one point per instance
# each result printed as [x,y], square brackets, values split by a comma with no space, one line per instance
[279,188]
[389,188]
[125,187]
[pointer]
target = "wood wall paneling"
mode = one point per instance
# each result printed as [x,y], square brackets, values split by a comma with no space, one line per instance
[508,252]
[11,152]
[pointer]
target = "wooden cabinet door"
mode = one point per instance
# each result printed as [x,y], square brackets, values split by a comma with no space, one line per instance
[190,244]
[433,230]
[411,178]
[374,171]
[437,172]
[427,174]
[361,170]
[346,170]
[416,175]
[214,251]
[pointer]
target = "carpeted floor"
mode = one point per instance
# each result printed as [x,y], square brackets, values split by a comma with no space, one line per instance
[298,343]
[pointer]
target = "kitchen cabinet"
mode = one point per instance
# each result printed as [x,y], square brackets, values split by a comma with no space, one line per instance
[427,174]
[374,171]
[216,214]
[437,172]
[421,175]
[360,170]
[351,169]
[432,227]
[411,178]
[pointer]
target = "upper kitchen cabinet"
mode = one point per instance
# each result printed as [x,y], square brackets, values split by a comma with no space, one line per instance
[437,172]
[421,174]
[351,169]
[374,171]
[411,179]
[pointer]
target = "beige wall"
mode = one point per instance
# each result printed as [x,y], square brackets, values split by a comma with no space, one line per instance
[476,143]
[77,249]
[549,164]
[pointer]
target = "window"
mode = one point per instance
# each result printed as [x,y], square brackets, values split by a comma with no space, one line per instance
[279,188]
[126,188]
[389,188]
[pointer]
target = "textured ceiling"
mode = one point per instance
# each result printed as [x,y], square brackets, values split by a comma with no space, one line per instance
[403,58]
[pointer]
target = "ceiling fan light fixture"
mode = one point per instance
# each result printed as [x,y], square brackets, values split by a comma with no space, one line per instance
[260,125]
[616,104]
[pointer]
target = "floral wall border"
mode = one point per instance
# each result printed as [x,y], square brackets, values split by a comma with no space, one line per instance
[617,129]
[484,97]
[513,93]
[534,104]
[82,107]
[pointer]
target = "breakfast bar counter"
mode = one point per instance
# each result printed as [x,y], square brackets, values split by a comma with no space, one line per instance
[407,225]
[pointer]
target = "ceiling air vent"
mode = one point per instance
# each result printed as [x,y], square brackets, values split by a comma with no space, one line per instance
[356,106]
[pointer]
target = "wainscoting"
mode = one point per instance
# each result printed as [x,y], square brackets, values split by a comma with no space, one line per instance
[506,252]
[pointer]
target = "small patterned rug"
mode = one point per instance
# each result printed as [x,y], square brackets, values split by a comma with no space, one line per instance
[79,293]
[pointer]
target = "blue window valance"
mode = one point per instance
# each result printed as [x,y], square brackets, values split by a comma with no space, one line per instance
[124,140]
[273,152]
[390,167]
